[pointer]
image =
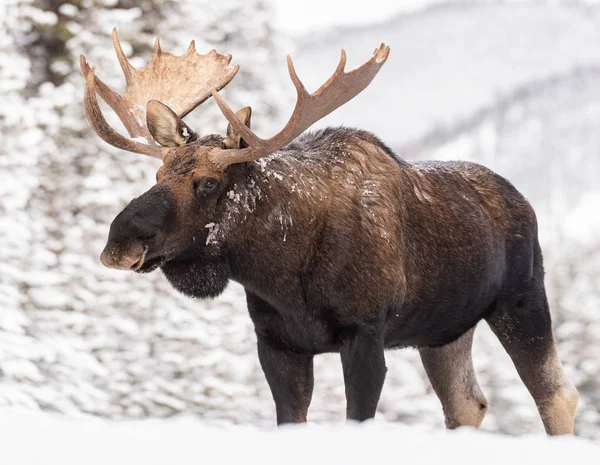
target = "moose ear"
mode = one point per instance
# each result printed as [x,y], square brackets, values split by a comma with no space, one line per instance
[166,127]
[234,140]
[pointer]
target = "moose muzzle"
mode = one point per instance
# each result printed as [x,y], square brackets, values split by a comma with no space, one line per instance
[132,259]
[135,233]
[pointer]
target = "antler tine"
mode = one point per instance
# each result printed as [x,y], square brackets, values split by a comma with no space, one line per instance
[381,53]
[310,108]
[251,139]
[339,71]
[128,70]
[114,100]
[157,50]
[192,48]
[300,89]
[96,119]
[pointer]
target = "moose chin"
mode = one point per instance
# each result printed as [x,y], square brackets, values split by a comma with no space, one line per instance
[340,245]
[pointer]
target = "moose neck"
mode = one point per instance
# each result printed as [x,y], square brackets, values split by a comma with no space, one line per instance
[307,197]
[269,217]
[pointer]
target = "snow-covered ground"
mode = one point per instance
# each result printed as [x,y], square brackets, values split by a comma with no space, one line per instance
[34,439]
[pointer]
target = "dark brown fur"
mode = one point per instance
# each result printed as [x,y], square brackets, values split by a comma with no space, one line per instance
[343,247]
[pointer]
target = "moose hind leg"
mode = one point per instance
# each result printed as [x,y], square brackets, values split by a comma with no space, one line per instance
[452,376]
[525,331]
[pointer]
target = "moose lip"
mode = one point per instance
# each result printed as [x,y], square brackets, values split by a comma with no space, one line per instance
[151,261]
[150,265]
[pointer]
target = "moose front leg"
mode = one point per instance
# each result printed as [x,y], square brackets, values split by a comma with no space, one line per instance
[290,377]
[363,364]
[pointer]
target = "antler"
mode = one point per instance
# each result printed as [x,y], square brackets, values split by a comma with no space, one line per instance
[181,82]
[339,89]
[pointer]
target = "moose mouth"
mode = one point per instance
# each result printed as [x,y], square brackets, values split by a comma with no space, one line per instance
[146,266]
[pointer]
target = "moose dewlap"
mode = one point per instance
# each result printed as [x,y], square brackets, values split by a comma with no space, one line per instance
[341,246]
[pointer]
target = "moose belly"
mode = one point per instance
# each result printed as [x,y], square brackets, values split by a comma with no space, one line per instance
[442,312]
[435,321]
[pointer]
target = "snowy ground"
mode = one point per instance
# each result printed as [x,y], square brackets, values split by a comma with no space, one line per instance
[35,439]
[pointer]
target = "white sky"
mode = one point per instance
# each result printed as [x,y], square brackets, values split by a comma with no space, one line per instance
[302,16]
[298,17]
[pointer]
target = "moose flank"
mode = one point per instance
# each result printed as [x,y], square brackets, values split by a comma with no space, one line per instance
[340,245]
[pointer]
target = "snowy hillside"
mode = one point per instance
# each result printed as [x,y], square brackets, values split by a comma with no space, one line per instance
[515,86]
[45,439]
[450,61]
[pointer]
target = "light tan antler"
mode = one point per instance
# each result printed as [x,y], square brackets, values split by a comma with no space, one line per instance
[181,82]
[339,89]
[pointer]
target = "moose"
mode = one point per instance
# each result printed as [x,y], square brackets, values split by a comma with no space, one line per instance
[340,244]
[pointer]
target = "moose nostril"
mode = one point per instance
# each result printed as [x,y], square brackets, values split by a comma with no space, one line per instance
[130,260]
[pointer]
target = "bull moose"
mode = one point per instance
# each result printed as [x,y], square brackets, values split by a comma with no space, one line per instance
[340,245]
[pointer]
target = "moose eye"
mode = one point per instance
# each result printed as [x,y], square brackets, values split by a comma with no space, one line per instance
[205,185]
